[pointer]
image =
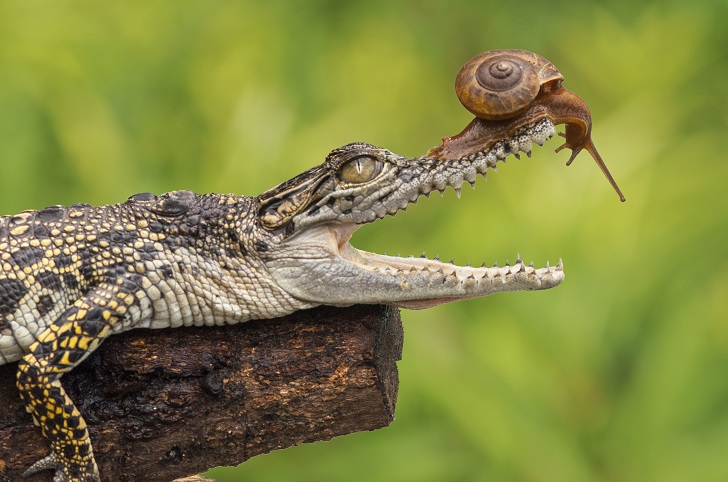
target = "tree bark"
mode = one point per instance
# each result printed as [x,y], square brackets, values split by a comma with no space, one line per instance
[163,404]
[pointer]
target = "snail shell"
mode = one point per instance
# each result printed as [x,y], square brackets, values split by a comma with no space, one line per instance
[500,84]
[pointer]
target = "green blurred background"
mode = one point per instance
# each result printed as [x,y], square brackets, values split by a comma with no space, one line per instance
[617,375]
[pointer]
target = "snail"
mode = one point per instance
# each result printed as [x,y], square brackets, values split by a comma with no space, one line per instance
[507,89]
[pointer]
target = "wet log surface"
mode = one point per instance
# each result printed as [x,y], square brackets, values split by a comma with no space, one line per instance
[163,404]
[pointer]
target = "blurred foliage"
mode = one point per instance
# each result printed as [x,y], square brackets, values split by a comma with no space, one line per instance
[617,375]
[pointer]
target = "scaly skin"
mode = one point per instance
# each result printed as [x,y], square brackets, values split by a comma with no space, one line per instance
[71,276]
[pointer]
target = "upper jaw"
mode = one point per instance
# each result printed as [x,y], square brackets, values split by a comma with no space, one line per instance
[409,179]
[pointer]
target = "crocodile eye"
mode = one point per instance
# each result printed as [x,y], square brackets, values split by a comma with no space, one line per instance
[360,169]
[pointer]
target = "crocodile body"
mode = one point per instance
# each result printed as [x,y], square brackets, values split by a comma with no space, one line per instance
[72,276]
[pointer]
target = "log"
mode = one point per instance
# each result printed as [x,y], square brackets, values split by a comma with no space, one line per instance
[164,404]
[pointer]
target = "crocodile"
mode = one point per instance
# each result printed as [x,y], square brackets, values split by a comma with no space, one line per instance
[72,276]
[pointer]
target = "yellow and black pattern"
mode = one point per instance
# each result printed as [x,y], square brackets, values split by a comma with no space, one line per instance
[71,276]
[59,348]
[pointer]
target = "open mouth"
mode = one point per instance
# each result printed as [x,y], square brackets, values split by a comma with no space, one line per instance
[462,282]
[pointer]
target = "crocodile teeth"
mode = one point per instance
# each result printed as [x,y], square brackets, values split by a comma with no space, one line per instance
[469,175]
[417,265]
[480,162]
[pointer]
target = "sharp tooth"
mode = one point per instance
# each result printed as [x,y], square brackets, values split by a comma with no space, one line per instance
[528,153]
[470,174]
[560,266]
[518,258]
[516,155]
[457,191]
[525,143]
[423,255]
[436,258]
[483,265]
[547,265]
[470,265]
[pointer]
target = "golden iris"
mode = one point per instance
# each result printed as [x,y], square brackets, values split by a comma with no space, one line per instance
[360,169]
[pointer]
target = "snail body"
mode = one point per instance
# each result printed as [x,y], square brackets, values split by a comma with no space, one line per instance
[508,89]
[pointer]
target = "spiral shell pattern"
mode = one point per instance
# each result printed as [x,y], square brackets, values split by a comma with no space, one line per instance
[501,84]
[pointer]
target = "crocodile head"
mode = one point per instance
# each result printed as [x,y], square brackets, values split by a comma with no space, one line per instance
[310,220]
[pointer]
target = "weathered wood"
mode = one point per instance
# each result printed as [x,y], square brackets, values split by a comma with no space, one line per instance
[162,404]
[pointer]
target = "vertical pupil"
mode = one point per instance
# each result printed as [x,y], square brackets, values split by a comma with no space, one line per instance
[360,169]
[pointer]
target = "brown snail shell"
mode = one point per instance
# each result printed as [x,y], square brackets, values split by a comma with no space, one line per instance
[500,84]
